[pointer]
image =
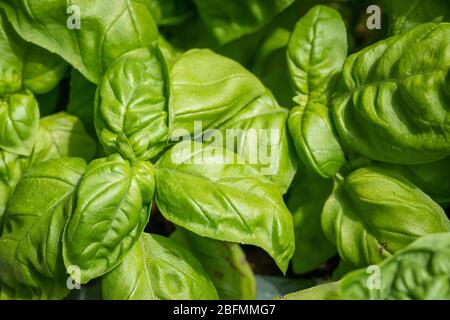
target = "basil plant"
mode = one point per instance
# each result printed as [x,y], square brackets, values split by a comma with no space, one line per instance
[147,148]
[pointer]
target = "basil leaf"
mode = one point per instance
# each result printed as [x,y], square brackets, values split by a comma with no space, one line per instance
[225,263]
[98,41]
[232,100]
[24,65]
[157,268]
[262,140]
[112,209]
[392,99]
[316,52]
[63,135]
[421,271]
[11,64]
[30,246]
[16,292]
[232,201]
[12,167]
[19,123]
[209,88]
[315,139]
[376,212]
[432,178]
[42,70]
[131,109]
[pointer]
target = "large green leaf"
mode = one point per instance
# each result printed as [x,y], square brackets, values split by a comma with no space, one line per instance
[392,101]
[212,92]
[225,263]
[157,268]
[131,106]
[106,31]
[202,189]
[112,209]
[376,212]
[30,246]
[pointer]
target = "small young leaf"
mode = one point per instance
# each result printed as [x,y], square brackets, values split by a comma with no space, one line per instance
[19,123]
[316,52]
[131,106]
